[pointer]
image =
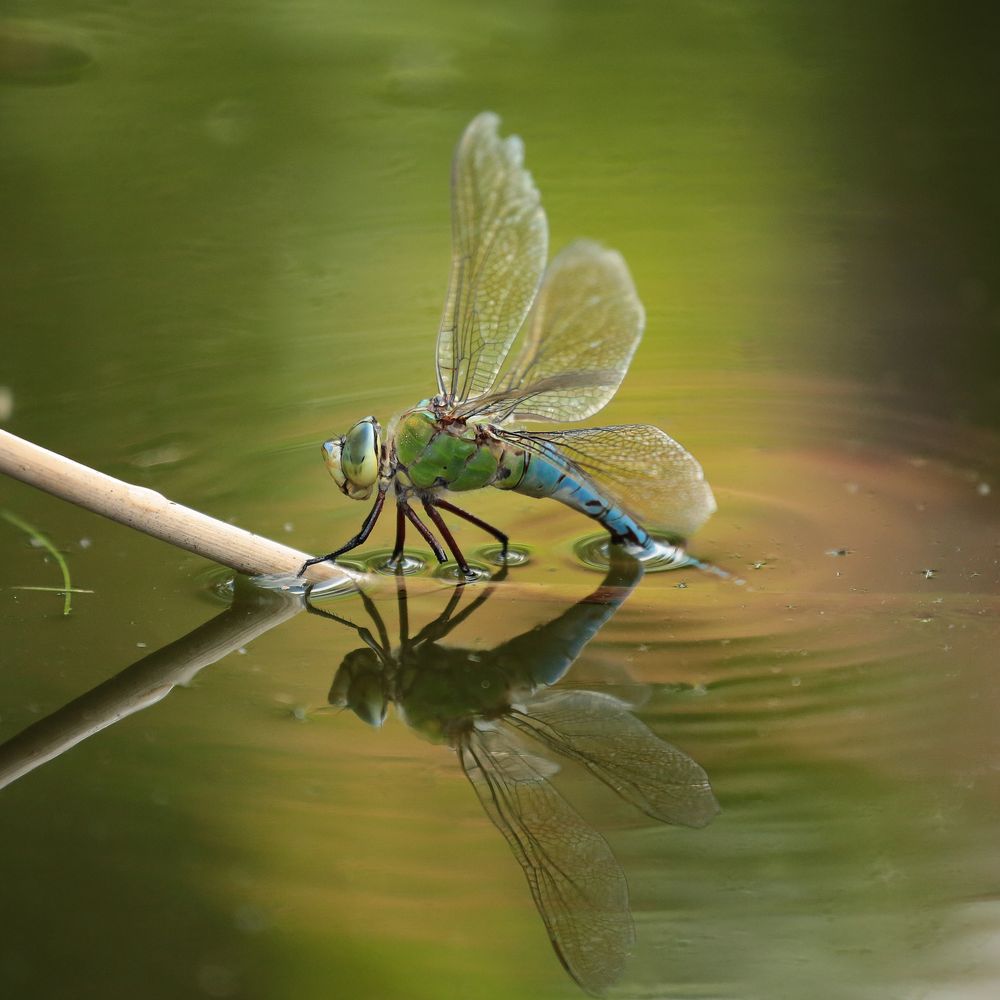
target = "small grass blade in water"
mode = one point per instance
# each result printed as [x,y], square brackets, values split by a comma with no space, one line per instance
[54,590]
[42,540]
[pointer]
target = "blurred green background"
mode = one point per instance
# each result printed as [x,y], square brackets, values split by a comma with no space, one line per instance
[224,237]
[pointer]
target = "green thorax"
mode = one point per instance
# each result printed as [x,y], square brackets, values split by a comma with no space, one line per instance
[435,451]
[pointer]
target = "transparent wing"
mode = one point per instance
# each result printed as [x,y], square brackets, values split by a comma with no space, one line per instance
[636,465]
[600,732]
[578,341]
[499,246]
[575,881]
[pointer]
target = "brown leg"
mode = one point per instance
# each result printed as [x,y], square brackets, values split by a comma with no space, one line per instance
[429,506]
[478,522]
[411,516]
[366,530]
[397,550]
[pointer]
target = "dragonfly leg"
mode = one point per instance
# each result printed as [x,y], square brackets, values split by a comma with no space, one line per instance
[479,523]
[430,507]
[425,532]
[397,549]
[366,530]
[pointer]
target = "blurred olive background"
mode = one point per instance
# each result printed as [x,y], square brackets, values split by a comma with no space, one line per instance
[224,237]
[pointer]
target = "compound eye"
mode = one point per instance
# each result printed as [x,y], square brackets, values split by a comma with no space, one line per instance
[360,453]
[354,459]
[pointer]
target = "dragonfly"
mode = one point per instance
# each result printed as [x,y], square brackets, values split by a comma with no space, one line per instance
[580,321]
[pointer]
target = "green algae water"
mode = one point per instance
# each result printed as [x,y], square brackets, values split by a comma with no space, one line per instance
[226,238]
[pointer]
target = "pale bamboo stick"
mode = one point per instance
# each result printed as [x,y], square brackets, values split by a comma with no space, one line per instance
[151,512]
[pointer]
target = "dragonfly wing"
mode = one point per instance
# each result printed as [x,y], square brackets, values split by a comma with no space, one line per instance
[637,466]
[576,883]
[579,338]
[499,246]
[600,732]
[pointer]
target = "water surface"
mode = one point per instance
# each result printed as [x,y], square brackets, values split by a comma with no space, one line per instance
[227,239]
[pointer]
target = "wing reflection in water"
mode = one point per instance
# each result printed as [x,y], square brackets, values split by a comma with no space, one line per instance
[488,705]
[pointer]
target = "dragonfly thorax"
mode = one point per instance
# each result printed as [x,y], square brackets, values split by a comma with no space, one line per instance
[432,450]
[354,459]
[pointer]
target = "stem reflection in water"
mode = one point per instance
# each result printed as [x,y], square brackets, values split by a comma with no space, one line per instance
[484,703]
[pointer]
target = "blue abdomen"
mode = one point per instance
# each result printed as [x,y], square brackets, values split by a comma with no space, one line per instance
[548,476]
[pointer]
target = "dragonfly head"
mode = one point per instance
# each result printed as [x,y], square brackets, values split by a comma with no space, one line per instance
[360,685]
[354,458]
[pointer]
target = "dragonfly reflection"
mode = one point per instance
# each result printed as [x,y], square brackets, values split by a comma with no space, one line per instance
[496,709]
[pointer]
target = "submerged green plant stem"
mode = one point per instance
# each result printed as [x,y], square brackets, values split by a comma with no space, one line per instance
[43,540]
